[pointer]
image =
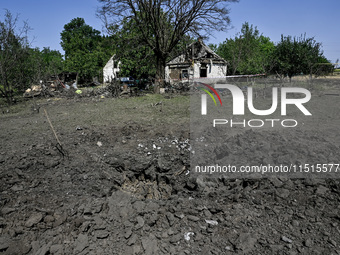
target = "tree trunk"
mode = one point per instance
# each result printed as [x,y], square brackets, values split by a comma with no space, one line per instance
[7,93]
[160,74]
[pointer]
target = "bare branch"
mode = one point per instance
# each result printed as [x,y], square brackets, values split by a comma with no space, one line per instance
[163,23]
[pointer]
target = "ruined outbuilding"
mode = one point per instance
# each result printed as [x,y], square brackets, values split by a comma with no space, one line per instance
[111,69]
[197,62]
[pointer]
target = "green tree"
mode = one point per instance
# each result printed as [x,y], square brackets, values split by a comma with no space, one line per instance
[34,68]
[162,24]
[83,49]
[137,59]
[214,47]
[322,67]
[296,55]
[248,53]
[40,65]
[13,52]
[53,62]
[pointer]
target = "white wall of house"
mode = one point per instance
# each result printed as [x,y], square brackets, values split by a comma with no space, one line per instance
[207,66]
[110,71]
[214,72]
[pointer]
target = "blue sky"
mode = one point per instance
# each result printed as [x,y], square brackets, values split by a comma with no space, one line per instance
[316,18]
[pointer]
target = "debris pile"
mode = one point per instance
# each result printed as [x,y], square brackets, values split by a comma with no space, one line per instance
[178,87]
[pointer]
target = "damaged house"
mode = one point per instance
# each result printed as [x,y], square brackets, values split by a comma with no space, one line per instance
[111,69]
[197,62]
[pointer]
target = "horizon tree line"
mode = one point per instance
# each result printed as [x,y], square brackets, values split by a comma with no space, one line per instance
[144,37]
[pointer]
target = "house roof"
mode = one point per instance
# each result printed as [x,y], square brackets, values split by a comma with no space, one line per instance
[197,51]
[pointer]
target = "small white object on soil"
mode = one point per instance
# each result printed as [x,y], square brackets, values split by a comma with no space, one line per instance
[286,239]
[187,235]
[212,222]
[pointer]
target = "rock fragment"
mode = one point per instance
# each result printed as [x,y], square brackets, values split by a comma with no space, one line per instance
[246,242]
[150,244]
[102,234]
[193,218]
[4,243]
[81,243]
[140,222]
[34,219]
[308,242]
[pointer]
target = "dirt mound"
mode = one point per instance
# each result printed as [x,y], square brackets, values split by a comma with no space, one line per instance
[127,188]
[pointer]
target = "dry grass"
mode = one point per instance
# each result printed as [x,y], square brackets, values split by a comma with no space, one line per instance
[67,114]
